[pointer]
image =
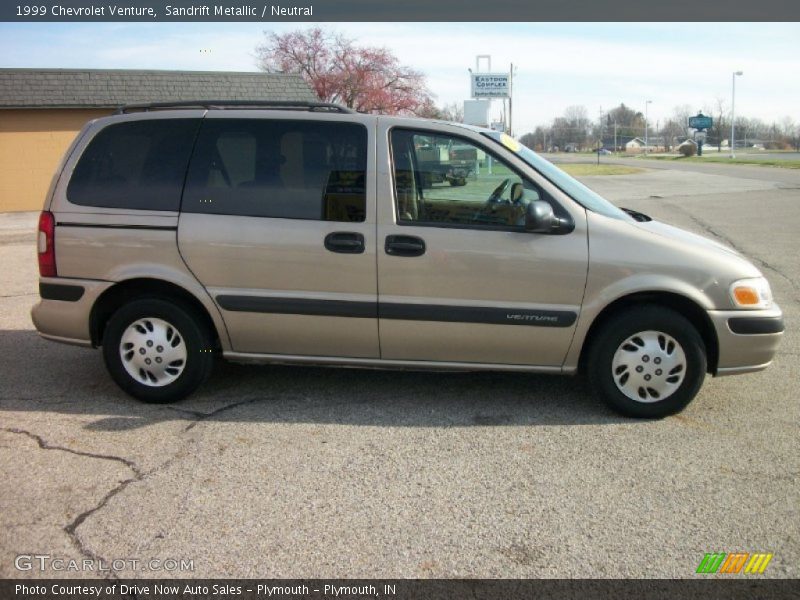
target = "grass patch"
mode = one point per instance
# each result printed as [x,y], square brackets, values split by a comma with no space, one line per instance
[761,162]
[585,169]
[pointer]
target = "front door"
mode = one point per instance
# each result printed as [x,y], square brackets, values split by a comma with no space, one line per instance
[459,278]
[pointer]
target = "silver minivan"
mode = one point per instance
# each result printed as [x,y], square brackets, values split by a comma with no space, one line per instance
[309,234]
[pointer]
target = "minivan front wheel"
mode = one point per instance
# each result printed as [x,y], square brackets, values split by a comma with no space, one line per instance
[647,362]
[157,351]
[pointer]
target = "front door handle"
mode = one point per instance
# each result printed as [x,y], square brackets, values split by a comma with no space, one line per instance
[345,242]
[404,245]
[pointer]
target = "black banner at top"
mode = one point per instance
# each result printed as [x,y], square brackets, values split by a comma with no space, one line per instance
[398,10]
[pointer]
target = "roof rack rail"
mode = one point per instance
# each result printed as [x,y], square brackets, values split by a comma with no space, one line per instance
[235,104]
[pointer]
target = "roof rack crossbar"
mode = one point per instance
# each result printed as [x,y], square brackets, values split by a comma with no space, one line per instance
[236,104]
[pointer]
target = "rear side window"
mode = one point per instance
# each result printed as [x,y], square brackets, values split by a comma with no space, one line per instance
[284,169]
[135,165]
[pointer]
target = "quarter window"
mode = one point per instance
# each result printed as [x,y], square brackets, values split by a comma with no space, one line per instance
[135,165]
[448,181]
[277,168]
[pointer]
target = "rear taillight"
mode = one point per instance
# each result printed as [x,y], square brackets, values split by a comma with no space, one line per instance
[46,244]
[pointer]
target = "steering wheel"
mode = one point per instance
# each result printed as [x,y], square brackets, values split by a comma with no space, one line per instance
[498,191]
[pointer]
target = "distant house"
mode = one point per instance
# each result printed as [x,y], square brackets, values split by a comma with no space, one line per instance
[634,145]
[41,111]
[609,142]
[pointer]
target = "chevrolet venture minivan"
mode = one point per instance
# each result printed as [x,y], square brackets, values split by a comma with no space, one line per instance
[309,234]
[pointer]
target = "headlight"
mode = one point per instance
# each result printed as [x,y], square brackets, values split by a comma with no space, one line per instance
[751,293]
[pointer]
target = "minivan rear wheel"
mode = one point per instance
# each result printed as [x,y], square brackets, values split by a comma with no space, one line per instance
[157,351]
[647,362]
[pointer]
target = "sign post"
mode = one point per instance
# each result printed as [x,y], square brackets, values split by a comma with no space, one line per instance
[487,85]
[700,123]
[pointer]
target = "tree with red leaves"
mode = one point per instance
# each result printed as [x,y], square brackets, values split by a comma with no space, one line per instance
[369,80]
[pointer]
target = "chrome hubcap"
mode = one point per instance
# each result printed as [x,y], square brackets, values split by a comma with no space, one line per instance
[153,352]
[649,366]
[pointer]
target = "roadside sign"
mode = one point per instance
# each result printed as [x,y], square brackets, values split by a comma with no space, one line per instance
[700,136]
[700,122]
[476,112]
[490,85]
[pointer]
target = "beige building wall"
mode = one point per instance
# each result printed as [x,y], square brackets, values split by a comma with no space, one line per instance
[32,142]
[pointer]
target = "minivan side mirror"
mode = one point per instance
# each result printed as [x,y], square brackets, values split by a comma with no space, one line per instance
[541,218]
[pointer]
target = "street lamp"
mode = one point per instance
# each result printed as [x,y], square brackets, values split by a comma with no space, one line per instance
[733,113]
[646,104]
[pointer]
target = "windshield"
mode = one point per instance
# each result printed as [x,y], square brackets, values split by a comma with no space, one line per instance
[568,184]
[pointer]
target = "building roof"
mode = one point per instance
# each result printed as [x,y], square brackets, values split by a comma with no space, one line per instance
[100,88]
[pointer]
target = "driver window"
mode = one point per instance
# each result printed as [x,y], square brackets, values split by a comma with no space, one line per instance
[440,179]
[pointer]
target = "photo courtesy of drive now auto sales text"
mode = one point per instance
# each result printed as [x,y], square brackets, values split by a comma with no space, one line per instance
[77,590]
[261,590]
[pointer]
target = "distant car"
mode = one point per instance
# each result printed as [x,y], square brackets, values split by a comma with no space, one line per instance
[604,151]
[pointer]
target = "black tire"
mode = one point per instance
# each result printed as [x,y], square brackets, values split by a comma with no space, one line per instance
[192,334]
[624,326]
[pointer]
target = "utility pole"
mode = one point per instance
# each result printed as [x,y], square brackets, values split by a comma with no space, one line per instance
[600,135]
[510,97]
[646,105]
[733,113]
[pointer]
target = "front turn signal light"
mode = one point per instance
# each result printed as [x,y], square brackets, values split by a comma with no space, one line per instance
[751,293]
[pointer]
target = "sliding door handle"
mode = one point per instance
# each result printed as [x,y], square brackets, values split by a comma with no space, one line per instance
[345,242]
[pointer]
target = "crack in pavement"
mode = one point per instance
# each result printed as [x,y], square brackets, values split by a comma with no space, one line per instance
[44,445]
[202,416]
[205,416]
[187,411]
[71,528]
[138,475]
[709,229]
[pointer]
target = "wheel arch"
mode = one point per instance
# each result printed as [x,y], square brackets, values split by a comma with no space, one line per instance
[687,307]
[131,289]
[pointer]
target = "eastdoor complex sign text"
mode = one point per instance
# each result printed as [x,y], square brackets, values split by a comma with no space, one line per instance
[490,85]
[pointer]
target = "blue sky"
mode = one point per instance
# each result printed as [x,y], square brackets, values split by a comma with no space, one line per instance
[592,64]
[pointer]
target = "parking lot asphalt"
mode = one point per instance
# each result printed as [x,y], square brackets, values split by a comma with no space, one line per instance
[313,472]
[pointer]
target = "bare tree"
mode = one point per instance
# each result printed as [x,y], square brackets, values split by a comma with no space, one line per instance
[672,131]
[787,126]
[561,133]
[744,130]
[721,126]
[630,123]
[681,114]
[577,118]
[453,112]
[529,140]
